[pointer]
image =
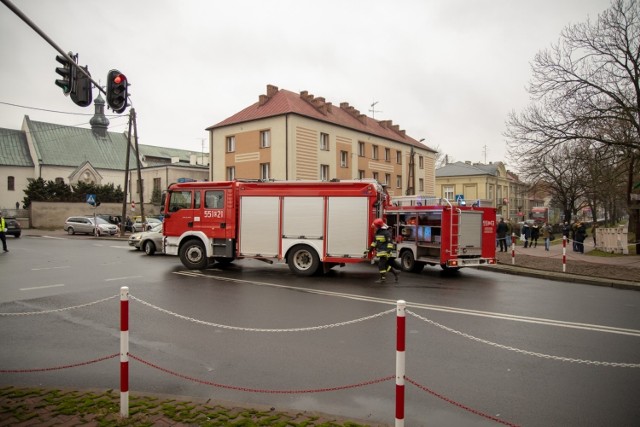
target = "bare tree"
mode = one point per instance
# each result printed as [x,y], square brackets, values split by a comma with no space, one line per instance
[584,89]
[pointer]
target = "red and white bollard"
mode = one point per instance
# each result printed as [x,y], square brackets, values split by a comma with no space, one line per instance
[400,361]
[564,254]
[513,248]
[124,352]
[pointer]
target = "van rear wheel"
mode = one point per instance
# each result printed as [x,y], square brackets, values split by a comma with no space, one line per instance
[303,260]
[193,255]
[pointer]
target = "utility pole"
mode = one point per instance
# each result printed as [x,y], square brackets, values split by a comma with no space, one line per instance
[126,179]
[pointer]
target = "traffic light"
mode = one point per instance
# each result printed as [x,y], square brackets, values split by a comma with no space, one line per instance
[117,91]
[82,93]
[66,72]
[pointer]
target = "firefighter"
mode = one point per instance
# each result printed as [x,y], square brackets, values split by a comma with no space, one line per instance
[384,247]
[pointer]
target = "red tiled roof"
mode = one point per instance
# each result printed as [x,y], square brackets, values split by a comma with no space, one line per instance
[278,102]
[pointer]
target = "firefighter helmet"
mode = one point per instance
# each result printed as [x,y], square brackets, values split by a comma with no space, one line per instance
[378,222]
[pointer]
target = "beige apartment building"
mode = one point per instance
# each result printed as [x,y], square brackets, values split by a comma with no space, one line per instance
[291,136]
[492,184]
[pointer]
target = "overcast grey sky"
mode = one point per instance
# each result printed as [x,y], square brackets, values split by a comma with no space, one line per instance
[448,71]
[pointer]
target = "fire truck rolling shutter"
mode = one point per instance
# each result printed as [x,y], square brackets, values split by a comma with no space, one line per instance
[302,217]
[347,225]
[470,229]
[259,226]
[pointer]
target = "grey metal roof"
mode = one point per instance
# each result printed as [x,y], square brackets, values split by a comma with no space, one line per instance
[71,146]
[464,169]
[14,150]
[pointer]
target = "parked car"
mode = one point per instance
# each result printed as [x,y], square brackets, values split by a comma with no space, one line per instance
[13,227]
[149,241]
[138,226]
[87,225]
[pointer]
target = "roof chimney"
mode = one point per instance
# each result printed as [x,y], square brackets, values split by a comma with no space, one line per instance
[271,91]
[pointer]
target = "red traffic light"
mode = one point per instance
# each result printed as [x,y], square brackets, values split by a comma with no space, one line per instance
[119,79]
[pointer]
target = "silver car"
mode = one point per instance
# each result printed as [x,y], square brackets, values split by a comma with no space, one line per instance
[87,225]
[139,226]
[149,241]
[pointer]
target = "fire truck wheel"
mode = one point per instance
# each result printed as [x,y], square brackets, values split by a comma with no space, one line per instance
[408,262]
[193,255]
[303,260]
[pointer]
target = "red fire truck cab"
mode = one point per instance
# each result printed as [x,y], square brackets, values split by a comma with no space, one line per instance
[435,232]
[306,224]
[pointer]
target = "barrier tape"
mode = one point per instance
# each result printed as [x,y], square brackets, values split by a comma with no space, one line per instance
[458,404]
[56,368]
[257,390]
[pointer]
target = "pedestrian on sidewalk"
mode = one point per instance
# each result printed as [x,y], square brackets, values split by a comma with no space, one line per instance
[502,231]
[581,235]
[526,232]
[535,234]
[3,232]
[546,235]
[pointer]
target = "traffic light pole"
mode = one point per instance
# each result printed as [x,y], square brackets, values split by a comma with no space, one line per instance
[42,34]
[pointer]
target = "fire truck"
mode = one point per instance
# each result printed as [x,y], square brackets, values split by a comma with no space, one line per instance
[307,224]
[436,232]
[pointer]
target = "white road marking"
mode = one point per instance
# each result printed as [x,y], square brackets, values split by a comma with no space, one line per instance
[50,268]
[487,314]
[42,287]
[121,278]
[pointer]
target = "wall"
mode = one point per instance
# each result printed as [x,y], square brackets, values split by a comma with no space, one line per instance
[51,215]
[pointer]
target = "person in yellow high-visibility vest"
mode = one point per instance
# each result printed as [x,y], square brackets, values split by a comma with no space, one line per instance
[3,233]
[384,247]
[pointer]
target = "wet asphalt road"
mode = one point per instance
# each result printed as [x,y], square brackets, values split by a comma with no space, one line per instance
[220,339]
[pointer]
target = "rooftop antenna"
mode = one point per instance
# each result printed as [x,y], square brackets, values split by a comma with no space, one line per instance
[373,110]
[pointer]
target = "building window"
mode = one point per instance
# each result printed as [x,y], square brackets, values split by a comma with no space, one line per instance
[374,152]
[398,181]
[421,184]
[344,159]
[421,162]
[399,157]
[375,176]
[324,172]
[447,192]
[231,144]
[387,154]
[139,184]
[264,171]
[265,138]
[231,173]
[361,149]
[156,184]
[360,174]
[59,180]
[11,183]
[387,178]
[490,191]
[324,141]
